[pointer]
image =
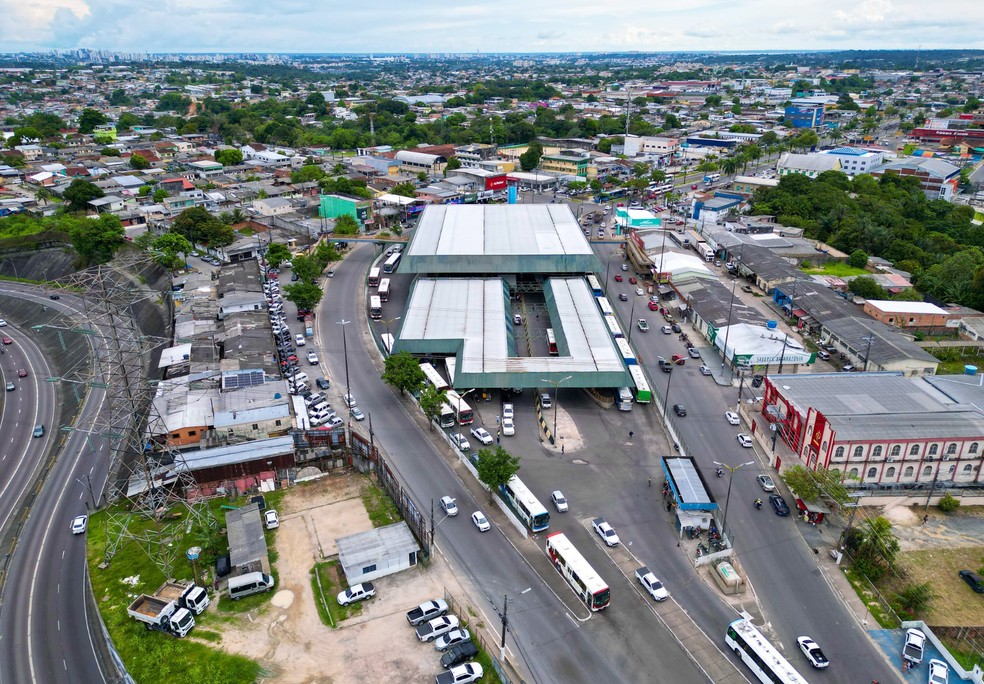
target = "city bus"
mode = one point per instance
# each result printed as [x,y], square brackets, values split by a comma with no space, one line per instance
[625,349]
[387,340]
[761,657]
[660,188]
[594,286]
[609,195]
[643,394]
[384,290]
[446,417]
[525,504]
[582,578]
[374,276]
[433,377]
[389,266]
[551,343]
[613,327]
[712,177]
[462,411]
[375,308]
[605,306]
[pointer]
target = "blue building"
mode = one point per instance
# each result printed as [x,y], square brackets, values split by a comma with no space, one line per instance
[804,117]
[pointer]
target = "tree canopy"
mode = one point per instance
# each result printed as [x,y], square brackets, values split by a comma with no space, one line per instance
[495,467]
[80,192]
[403,372]
[200,227]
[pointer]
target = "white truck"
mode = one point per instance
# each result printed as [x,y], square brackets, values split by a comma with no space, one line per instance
[915,642]
[436,627]
[427,611]
[187,595]
[651,584]
[162,615]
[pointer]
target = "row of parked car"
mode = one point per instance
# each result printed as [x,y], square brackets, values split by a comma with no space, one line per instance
[432,623]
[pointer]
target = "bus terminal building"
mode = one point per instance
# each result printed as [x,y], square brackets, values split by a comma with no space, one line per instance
[494,283]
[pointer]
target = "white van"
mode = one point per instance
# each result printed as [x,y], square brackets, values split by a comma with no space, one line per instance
[250,583]
[298,378]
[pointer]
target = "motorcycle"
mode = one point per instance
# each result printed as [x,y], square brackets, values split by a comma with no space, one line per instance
[719,472]
[758,504]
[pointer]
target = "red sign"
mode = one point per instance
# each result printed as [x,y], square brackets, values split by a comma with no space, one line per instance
[495,183]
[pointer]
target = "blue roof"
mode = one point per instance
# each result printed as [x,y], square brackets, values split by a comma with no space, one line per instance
[849,151]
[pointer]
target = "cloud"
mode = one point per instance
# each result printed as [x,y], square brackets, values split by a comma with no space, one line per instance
[868,11]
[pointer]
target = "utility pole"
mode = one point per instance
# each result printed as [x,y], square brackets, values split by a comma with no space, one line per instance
[432,523]
[867,350]
[505,625]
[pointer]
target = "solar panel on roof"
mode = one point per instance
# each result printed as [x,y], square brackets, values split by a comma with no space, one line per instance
[237,379]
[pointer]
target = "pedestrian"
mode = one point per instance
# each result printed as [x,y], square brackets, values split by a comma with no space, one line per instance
[925,519]
[650,482]
[498,440]
[561,448]
[669,505]
[497,419]
[630,434]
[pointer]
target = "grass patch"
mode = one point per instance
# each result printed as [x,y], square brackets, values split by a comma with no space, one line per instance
[332,582]
[881,616]
[836,268]
[966,659]
[155,657]
[379,506]
[956,367]
[954,603]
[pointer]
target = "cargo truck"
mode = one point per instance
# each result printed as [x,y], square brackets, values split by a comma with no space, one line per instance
[162,615]
[186,594]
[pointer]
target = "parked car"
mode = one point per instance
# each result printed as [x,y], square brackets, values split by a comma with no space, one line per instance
[939,672]
[271,519]
[973,580]
[459,654]
[666,330]
[676,328]
[79,523]
[508,427]
[358,592]
[559,501]
[812,652]
[507,410]
[704,370]
[605,531]
[322,383]
[633,280]
[651,584]
[757,380]
[299,340]
[653,306]
[436,627]
[449,505]
[452,638]
[357,413]
[462,674]
[349,400]
[694,352]
[766,483]
[481,522]
[459,441]
[482,435]
[732,418]
[745,440]
[779,505]
[426,611]
[312,358]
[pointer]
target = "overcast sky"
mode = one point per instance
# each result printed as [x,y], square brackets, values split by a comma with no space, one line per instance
[487,25]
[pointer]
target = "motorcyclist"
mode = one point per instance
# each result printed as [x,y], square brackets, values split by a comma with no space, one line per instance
[758,503]
[720,472]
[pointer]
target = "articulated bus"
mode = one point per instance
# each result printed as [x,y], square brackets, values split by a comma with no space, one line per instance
[374,276]
[384,290]
[585,582]
[761,657]
[462,411]
[613,327]
[643,394]
[525,504]
[446,418]
[375,308]
[605,306]
[660,188]
[625,349]
[433,377]
[389,266]
[594,285]
[551,343]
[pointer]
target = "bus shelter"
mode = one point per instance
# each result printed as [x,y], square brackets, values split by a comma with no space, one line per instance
[687,493]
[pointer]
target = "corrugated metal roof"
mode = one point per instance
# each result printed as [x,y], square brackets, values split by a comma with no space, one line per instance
[909,426]
[245,534]
[357,551]
[854,394]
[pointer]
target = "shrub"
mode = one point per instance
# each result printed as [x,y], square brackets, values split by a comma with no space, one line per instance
[948,503]
[915,598]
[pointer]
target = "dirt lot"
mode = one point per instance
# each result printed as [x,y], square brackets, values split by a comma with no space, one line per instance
[287,636]
[935,551]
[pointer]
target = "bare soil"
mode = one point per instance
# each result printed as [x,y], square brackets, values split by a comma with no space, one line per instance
[287,636]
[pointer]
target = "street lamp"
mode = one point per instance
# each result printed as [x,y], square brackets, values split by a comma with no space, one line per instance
[869,339]
[461,397]
[348,389]
[632,318]
[556,385]
[505,622]
[727,334]
[731,478]
[388,336]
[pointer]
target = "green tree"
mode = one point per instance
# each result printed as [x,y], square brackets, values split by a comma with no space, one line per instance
[304,295]
[858,259]
[307,174]
[170,245]
[200,227]
[306,268]
[948,503]
[422,177]
[403,372]
[404,189]
[875,547]
[915,598]
[79,193]
[816,485]
[866,287]
[96,240]
[89,119]
[431,400]
[229,157]
[530,159]
[277,254]
[346,225]
[160,194]
[138,161]
[453,164]
[495,467]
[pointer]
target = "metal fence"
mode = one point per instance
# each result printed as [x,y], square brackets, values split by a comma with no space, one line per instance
[462,610]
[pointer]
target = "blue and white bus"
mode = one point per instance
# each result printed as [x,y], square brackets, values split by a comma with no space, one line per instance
[625,349]
[761,657]
[389,266]
[605,306]
[595,286]
[432,377]
[613,327]
[525,504]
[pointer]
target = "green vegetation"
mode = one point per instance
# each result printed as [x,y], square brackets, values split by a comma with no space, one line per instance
[495,467]
[379,506]
[332,581]
[403,372]
[838,269]
[948,503]
[952,361]
[862,589]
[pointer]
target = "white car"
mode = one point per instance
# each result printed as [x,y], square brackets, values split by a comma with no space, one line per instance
[639,292]
[481,522]
[360,592]
[605,531]
[299,340]
[704,370]
[452,638]
[459,441]
[312,358]
[508,427]
[3,323]
[482,435]
[449,505]
[559,500]
[813,653]
[79,523]
[349,400]
[939,672]
[357,413]
[745,440]
[651,584]
[732,417]
[766,483]
[464,674]
[507,410]
[272,521]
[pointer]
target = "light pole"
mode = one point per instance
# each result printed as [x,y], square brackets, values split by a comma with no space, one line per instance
[505,622]
[869,339]
[348,389]
[461,397]
[659,273]
[388,336]
[731,478]
[632,318]
[556,385]
[727,334]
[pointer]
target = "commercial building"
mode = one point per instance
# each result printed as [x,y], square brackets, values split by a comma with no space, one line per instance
[376,553]
[854,161]
[804,116]
[571,164]
[810,165]
[937,178]
[417,162]
[333,206]
[921,316]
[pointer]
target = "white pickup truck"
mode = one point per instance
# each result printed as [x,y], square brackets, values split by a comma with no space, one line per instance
[162,615]
[427,611]
[436,627]
[652,585]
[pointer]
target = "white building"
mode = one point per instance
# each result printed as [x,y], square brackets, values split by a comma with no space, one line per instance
[855,161]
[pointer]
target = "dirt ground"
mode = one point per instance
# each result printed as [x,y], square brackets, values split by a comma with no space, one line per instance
[287,636]
[935,551]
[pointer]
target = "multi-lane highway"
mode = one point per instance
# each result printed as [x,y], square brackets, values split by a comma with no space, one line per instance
[45,626]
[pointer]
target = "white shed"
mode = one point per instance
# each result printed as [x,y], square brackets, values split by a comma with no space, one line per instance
[383,551]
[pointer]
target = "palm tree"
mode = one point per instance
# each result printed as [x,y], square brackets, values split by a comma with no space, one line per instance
[730,165]
[42,195]
[238,216]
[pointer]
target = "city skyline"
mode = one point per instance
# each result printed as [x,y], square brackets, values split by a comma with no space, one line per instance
[546,26]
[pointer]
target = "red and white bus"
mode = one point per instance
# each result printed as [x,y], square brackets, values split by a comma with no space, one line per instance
[551,343]
[374,277]
[375,308]
[462,411]
[585,582]
[384,290]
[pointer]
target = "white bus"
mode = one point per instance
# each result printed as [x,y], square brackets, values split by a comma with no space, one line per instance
[613,327]
[605,306]
[585,582]
[375,308]
[462,411]
[525,504]
[551,343]
[643,393]
[594,286]
[659,189]
[384,290]
[388,341]
[625,349]
[433,377]
[374,276]
[389,266]
[446,418]
[759,655]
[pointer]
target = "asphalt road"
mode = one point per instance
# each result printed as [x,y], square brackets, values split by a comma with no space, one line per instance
[624,643]
[44,622]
